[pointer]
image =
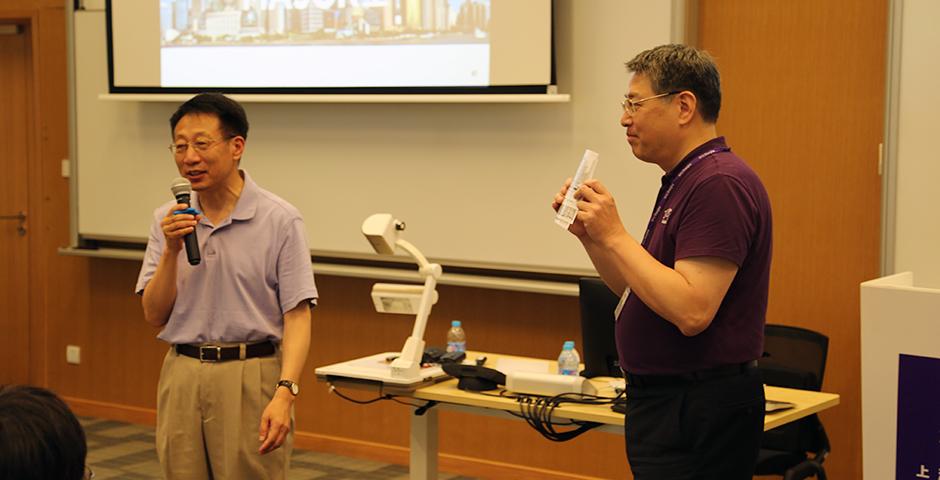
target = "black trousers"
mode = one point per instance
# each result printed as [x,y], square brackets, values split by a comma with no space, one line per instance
[699,430]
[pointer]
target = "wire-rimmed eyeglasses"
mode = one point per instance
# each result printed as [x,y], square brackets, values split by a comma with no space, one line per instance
[200,145]
[630,106]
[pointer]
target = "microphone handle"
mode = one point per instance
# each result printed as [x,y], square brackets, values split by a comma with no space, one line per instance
[190,240]
[192,248]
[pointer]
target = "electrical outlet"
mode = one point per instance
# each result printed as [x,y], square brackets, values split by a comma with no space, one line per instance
[73,354]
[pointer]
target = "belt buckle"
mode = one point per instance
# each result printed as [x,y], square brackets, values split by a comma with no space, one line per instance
[202,354]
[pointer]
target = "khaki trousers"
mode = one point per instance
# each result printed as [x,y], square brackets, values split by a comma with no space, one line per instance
[208,416]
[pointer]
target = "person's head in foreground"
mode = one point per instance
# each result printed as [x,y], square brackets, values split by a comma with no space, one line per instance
[40,438]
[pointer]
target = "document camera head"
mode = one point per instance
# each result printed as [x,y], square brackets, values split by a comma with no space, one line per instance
[399,298]
[382,230]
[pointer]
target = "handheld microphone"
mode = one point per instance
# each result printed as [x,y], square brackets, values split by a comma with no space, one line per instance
[182,190]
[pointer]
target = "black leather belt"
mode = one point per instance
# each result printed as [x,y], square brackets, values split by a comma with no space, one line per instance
[690,377]
[215,353]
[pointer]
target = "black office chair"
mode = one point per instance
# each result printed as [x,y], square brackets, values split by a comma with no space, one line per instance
[795,358]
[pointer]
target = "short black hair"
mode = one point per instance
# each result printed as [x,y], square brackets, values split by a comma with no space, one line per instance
[677,67]
[230,113]
[40,437]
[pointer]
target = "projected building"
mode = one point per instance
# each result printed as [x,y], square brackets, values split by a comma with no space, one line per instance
[198,22]
[227,22]
[473,16]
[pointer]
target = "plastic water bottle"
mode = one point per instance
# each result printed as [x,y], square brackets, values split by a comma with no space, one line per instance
[456,338]
[569,362]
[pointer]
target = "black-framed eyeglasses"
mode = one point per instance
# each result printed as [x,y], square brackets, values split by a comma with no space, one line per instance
[630,106]
[200,145]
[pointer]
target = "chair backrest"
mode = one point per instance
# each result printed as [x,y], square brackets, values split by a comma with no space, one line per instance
[599,349]
[794,357]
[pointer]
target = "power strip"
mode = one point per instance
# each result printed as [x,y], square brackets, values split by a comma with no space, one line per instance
[547,384]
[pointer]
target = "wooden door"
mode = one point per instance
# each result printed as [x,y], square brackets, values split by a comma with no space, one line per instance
[803,86]
[15,121]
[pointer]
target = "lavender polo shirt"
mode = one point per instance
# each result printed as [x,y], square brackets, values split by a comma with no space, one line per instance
[718,208]
[255,267]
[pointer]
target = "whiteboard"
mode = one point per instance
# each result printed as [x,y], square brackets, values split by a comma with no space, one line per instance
[473,182]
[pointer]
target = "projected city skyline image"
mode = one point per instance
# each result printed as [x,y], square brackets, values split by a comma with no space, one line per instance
[330,22]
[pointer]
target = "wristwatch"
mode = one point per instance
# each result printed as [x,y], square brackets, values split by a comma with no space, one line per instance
[292,386]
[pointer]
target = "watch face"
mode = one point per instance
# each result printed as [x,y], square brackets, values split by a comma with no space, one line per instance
[292,386]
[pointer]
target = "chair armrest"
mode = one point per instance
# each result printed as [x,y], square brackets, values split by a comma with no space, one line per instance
[804,470]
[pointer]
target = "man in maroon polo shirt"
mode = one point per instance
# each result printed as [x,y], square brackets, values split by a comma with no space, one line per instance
[690,326]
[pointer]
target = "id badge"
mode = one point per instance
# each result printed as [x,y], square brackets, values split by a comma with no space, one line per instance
[623,301]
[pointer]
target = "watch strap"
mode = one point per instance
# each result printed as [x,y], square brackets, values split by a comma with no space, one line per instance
[292,387]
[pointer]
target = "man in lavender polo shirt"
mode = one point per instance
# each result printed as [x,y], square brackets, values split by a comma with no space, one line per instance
[690,326]
[239,321]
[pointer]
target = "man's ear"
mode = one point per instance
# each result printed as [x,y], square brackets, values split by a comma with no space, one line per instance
[238,147]
[688,106]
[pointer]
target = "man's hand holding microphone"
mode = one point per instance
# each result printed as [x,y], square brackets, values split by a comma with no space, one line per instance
[179,225]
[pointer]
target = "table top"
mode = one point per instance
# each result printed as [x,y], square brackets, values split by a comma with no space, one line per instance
[805,402]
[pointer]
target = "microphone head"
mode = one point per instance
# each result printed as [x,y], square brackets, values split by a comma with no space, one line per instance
[181,186]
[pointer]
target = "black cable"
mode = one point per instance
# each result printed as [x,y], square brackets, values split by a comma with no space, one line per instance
[394,398]
[538,413]
[546,413]
[360,402]
[503,393]
[536,410]
[410,404]
[424,408]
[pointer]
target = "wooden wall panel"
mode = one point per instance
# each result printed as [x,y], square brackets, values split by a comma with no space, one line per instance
[32,5]
[803,85]
[48,188]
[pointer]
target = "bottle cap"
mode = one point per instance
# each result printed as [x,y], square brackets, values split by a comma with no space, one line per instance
[568,345]
[455,323]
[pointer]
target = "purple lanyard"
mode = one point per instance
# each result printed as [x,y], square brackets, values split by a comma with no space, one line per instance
[672,184]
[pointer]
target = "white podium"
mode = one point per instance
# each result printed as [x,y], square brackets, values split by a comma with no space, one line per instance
[900,347]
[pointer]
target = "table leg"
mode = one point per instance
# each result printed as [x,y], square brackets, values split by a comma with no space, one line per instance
[423,464]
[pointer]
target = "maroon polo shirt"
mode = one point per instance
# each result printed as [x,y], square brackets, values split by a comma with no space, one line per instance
[717,208]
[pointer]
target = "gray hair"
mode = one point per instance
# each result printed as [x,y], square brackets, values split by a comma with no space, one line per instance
[676,67]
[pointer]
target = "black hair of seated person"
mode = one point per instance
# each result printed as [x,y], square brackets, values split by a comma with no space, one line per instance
[40,438]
